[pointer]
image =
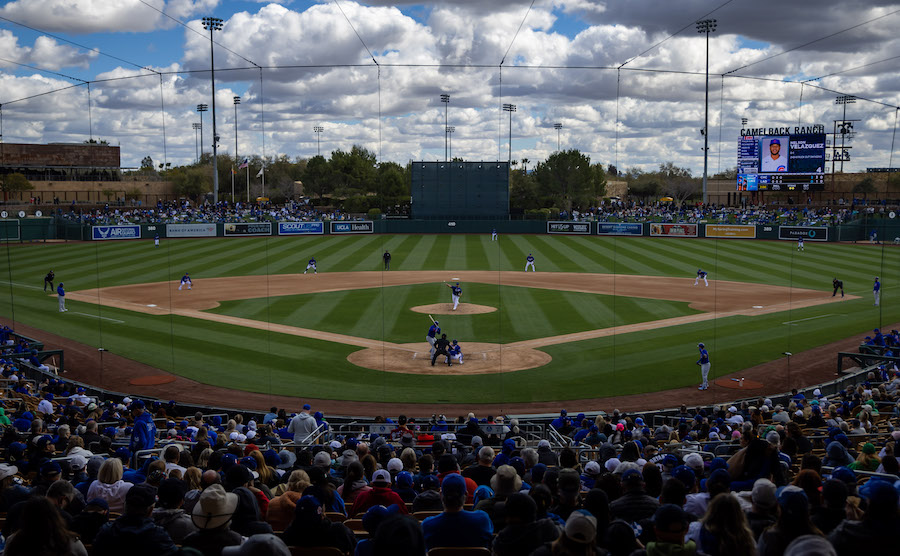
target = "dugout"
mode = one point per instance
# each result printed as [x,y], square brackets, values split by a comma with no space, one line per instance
[460,190]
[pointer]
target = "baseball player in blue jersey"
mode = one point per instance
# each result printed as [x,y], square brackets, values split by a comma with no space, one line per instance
[876,291]
[704,366]
[701,275]
[185,281]
[433,331]
[156,240]
[456,352]
[311,265]
[61,293]
[529,261]
[799,244]
[455,292]
[493,234]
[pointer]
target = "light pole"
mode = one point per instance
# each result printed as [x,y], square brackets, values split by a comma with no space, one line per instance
[446,100]
[237,100]
[196,127]
[212,24]
[510,108]
[450,130]
[557,127]
[846,127]
[318,129]
[201,108]
[706,26]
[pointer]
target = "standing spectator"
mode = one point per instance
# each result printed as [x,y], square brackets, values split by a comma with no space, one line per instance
[455,526]
[134,533]
[303,425]
[109,485]
[42,531]
[143,435]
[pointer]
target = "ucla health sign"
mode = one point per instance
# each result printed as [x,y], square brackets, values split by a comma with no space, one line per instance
[115,232]
[300,228]
[361,227]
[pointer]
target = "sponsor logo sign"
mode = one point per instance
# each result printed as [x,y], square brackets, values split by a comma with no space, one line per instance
[363,227]
[578,228]
[730,230]
[811,233]
[673,230]
[190,230]
[300,228]
[620,229]
[115,232]
[248,228]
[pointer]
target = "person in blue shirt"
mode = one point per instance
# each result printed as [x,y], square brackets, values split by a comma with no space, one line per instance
[156,240]
[186,281]
[876,291]
[311,265]
[701,275]
[456,352]
[433,331]
[143,435]
[61,293]
[704,366]
[493,234]
[456,526]
[455,292]
[529,261]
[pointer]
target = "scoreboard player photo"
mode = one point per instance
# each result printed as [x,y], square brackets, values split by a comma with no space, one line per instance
[774,154]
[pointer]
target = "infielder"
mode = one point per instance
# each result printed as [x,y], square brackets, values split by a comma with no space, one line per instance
[701,275]
[455,292]
[493,234]
[156,240]
[311,265]
[799,244]
[185,281]
[61,293]
[838,285]
[704,366]
[876,291]
[529,261]
[433,331]
[456,352]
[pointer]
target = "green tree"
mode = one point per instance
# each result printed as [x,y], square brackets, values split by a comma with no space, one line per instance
[523,192]
[353,173]
[864,187]
[13,183]
[569,179]
[191,181]
[678,182]
[317,180]
[147,163]
[96,142]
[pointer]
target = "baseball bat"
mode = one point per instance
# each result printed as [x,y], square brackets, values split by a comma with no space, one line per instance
[432,319]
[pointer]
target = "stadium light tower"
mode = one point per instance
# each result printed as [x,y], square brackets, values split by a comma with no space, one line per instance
[212,24]
[201,108]
[845,127]
[510,108]
[450,130]
[318,130]
[446,100]
[706,26]
[196,127]
[237,100]
[557,127]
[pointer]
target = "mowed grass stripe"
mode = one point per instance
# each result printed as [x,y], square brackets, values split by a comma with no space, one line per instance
[417,257]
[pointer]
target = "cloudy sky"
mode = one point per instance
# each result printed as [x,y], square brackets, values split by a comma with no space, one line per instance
[372,73]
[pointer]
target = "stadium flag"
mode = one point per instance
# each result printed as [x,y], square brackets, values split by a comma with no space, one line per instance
[244,163]
[260,173]
[233,171]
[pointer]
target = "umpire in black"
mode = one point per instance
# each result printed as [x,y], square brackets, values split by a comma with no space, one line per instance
[838,285]
[440,348]
[48,279]
[387,260]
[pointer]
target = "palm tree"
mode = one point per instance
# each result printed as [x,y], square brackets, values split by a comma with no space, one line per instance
[525,162]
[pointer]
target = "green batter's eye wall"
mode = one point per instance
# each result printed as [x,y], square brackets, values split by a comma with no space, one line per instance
[460,190]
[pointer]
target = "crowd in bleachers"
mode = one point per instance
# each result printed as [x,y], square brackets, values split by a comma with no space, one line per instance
[803,475]
[800,215]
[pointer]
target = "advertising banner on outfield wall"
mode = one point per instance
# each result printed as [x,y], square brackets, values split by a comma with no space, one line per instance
[190,230]
[9,229]
[730,230]
[811,233]
[363,227]
[673,230]
[248,228]
[116,232]
[577,228]
[620,229]
[300,228]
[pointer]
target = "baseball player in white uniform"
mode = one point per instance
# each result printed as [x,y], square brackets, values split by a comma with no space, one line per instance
[456,352]
[156,240]
[799,244]
[455,292]
[185,281]
[529,261]
[701,275]
[311,265]
[493,234]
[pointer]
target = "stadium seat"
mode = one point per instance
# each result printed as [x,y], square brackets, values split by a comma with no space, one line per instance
[421,516]
[315,551]
[337,517]
[459,551]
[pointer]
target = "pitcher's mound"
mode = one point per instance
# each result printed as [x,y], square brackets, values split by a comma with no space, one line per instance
[478,359]
[447,309]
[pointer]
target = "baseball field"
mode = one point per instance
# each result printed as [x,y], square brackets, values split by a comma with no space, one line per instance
[601,317]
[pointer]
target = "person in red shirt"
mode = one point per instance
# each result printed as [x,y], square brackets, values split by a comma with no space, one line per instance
[380,495]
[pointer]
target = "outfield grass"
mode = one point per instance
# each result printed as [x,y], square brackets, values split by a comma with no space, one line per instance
[261,361]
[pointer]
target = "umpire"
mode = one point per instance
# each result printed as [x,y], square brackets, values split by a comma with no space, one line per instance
[387,260]
[48,279]
[440,348]
[838,285]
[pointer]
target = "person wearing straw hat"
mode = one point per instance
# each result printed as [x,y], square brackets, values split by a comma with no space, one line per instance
[212,515]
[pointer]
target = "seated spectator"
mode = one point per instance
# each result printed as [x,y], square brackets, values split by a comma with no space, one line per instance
[833,510]
[482,471]
[877,531]
[620,539]
[634,504]
[764,509]
[719,482]
[399,535]
[792,522]
[522,533]
[281,508]
[568,493]
[324,490]
[867,460]
[212,515]
[578,537]
[263,543]
[724,528]
[429,500]
[545,455]
[310,527]
[455,526]
[134,533]
[504,484]
[169,513]
[380,495]
[447,466]
[404,486]
[110,486]
[10,491]
[42,531]
[89,521]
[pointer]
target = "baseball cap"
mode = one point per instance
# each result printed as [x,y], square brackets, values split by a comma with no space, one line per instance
[775,142]
[383,476]
[632,475]
[50,468]
[395,465]
[581,527]
[141,496]
[592,468]
[97,503]
[686,475]
[454,485]
[763,494]
[669,515]
[77,462]
[262,544]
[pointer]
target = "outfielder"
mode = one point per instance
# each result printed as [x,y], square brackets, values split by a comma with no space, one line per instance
[704,366]
[493,234]
[456,352]
[156,240]
[701,275]
[455,292]
[185,280]
[876,291]
[311,265]
[433,331]
[529,261]
[799,244]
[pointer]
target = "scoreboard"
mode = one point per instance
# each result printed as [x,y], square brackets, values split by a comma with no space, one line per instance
[781,162]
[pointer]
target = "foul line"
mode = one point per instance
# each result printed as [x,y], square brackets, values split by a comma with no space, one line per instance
[96,317]
[29,286]
[791,322]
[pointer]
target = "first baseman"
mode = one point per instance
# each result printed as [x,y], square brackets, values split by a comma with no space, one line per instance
[61,292]
[701,275]
[433,331]
[455,292]
[311,265]
[529,261]
[185,280]
[704,366]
